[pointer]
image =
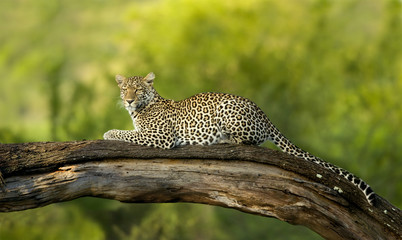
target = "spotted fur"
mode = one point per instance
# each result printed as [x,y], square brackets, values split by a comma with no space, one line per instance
[205,118]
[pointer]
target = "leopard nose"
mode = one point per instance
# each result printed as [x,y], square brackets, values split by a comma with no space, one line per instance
[129,101]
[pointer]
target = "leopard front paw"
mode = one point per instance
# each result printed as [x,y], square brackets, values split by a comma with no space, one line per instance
[111,135]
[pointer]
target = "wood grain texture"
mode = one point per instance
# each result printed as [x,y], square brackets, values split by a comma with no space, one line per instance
[251,179]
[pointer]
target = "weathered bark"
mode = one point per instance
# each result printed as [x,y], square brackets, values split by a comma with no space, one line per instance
[251,179]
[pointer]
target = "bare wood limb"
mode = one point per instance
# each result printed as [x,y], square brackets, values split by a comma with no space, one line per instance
[251,179]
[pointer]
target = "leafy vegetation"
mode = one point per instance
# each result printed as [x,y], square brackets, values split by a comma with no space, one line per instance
[328,73]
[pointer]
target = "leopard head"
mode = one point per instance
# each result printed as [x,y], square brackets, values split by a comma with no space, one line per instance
[136,92]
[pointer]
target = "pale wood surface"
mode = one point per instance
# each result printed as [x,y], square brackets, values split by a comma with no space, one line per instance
[251,179]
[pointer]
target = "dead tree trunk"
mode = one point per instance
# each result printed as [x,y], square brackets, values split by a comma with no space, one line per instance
[251,179]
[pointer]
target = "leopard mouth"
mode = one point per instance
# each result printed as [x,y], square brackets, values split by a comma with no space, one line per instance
[130,108]
[134,107]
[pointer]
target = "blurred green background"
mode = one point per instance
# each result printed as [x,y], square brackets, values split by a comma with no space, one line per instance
[327,73]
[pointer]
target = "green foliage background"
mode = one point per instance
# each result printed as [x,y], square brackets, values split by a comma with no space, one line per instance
[328,73]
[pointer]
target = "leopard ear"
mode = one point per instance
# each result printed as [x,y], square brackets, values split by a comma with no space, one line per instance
[120,79]
[149,79]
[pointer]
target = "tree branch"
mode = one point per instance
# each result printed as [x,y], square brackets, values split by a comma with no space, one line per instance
[251,179]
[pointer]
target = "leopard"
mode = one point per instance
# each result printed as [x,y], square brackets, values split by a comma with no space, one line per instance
[205,119]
